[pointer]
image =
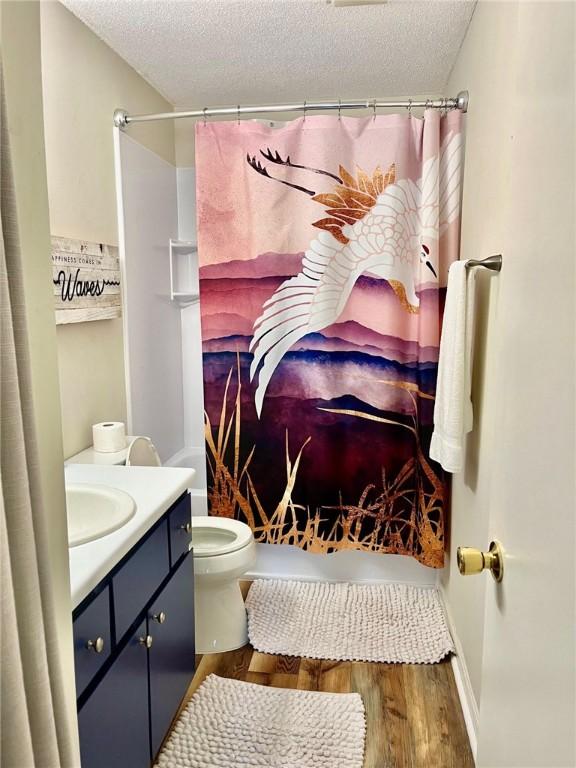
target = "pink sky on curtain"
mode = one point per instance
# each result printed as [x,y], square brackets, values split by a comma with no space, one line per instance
[324,248]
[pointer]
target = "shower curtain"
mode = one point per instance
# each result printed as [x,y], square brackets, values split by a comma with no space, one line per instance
[324,246]
[36,730]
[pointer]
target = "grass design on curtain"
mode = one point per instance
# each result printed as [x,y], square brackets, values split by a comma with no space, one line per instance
[400,515]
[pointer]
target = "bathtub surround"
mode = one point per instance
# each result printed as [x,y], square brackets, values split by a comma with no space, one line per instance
[237,724]
[148,219]
[191,336]
[389,623]
[321,327]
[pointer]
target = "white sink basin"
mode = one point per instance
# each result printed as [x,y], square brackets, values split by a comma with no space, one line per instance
[95,510]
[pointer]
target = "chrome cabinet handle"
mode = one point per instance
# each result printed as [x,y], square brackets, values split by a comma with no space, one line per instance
[146,641]
[96,645]
[187,527]
[159,617]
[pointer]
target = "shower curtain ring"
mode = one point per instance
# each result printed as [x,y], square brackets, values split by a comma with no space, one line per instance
[409,107]
[204,113]
[374,109]
[339,109]
[427,105]
[304,110]
[238,114]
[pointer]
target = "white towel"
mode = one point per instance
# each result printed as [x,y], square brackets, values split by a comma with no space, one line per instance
[453,416]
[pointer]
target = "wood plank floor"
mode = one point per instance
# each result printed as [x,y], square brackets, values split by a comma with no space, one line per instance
[413,713]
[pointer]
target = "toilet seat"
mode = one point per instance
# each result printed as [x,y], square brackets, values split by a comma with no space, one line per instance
[142,453]
[213,536]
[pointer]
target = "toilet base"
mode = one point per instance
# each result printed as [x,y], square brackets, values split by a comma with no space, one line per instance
[220,616]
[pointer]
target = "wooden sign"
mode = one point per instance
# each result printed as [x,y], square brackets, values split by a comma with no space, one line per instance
[86,280]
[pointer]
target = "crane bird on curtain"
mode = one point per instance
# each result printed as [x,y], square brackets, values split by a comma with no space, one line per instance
[376,225]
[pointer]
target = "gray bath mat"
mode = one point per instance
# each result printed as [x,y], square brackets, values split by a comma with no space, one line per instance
[391,623]
[232,724]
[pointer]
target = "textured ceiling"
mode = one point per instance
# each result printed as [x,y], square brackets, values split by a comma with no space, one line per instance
[219,52]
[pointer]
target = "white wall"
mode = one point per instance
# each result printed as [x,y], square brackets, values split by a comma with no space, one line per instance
[489,80]
[152,329]
[517,64]
[83,82]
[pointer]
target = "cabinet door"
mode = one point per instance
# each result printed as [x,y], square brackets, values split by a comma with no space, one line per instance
[113,723]
[180,530]
[172,652]
[146,567]
[92,639]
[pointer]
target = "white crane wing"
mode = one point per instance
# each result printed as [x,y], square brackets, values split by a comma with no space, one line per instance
[308,302]
[409,212]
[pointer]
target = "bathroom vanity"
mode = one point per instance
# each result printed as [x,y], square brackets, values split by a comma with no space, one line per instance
[133,620]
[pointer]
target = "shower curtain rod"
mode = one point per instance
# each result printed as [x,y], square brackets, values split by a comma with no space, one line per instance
[122,118]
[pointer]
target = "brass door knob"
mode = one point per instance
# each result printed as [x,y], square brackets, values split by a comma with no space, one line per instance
[159,617]
[472,561]
[146,641]
[187,527]
[96,645]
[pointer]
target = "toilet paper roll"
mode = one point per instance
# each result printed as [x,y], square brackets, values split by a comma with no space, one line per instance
[109,436]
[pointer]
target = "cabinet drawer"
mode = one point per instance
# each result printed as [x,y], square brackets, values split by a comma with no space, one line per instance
[139,578]
[92,626]
[180,533]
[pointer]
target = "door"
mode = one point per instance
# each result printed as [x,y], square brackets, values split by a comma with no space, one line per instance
[113,722]
[527,708]
[172,661]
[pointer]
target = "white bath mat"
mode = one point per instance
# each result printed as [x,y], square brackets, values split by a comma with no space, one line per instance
[232,724]
[392,623]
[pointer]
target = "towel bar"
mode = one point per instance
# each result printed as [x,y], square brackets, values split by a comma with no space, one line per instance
[491,262]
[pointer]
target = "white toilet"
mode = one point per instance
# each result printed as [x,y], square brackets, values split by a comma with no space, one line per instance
[224,550]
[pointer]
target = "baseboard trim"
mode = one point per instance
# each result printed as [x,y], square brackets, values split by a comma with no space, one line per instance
[463,684]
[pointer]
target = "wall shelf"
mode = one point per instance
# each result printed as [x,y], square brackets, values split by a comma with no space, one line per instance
[184,284]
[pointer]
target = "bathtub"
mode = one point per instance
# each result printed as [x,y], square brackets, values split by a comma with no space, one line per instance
[286,562]
[195,458]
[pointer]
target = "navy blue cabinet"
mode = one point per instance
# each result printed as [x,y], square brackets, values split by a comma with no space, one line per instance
[113,721]
[179,523]
[129,686]
[171,658]
[138,579]
[92,639]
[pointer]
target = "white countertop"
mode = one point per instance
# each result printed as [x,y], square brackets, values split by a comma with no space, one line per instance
[153,489]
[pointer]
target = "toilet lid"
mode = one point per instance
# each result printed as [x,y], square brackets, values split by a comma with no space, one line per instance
[142,453]
[218,536]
